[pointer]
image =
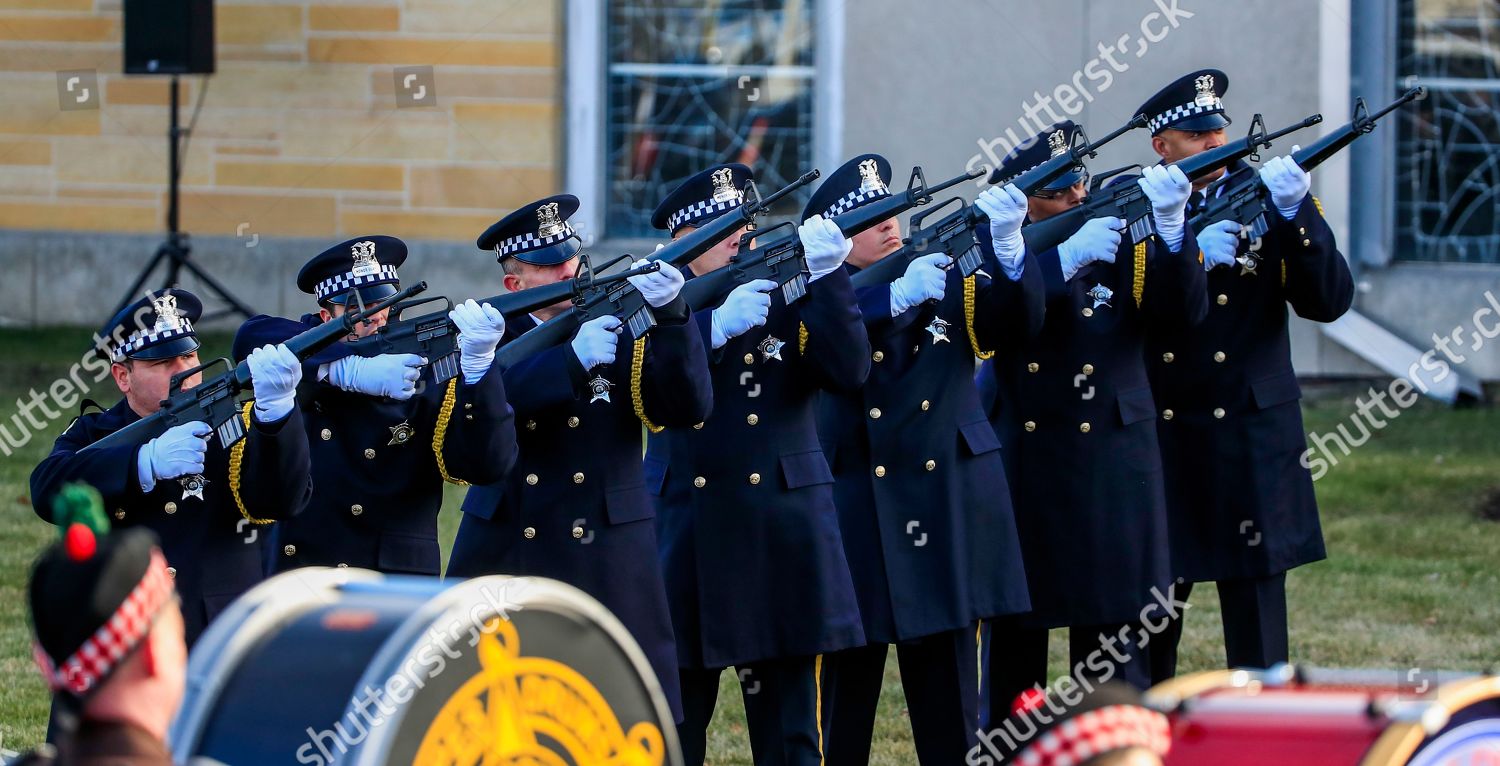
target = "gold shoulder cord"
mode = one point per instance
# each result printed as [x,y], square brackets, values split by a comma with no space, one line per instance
[637,362]
[802,339]
[236,460]
[440,432]
[969,319]
[1138,284]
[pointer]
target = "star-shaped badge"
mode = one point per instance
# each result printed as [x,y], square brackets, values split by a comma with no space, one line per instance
[192,486]
[401,433]
[1248,262]
[770,348]
[939,329]
[1101,295]
[599,388]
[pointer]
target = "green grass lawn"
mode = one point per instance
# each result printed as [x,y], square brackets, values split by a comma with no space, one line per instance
[1412,577]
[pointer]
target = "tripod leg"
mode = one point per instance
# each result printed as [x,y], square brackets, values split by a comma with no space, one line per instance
[235,304]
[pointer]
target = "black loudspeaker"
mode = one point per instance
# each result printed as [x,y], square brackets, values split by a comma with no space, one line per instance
[169,36]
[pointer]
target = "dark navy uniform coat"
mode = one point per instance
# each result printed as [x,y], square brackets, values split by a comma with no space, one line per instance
[920,486]
[575,508]
[750,541]
[213,545]
[379,464]
[1241,502]
[1075,410]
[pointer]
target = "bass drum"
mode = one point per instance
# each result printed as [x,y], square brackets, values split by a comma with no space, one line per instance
[318,666]
[1295,717]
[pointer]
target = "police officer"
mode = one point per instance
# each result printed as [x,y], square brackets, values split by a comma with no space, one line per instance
[575,508]
[1240,502]
[205,502]
[382,448]
[750,540]
[1076,406]
[923,503]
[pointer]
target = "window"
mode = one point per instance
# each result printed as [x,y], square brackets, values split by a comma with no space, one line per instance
[691,84]
[1447,167]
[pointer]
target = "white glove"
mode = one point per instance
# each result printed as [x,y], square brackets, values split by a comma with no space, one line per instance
[1288,183]
[660,287]
[746,307]
[1096,240]
[392,375]
[179,451]
[274,374]
[825,246]
[926,279]
[596,340]
[480,328]
[1219,243]
[1168,189]
[1006,208]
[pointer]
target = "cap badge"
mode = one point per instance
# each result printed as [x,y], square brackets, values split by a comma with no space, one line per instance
[549,224]
[1205,86]
[167,317]
[1057,143]
[723,181]
[869,177]
[364,259]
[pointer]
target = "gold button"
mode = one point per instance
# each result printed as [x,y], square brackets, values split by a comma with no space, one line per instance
[531,479]
[356,509]
[1307,243]
[170,507]
[931,464]
[1166,414]
[1088,369]
[1219,412]
[172,572]
[577,533]
[878,356]
[531,425]
[1088,312]
[754,478]
[468,405]
[879,471]
[468,417]
[528,532]
[1222,299]
[572,421]
[1302,231]
[1030,425]
[752,418]
[326,434]
[1168,357]
[697,426]
[699,482]
[926,405]
[1084,427]
[369,454]
[1219,356]
[342,565]
[578,478]
[875,413]
[289,550]
[749,359]
[1033,367]
[119,513]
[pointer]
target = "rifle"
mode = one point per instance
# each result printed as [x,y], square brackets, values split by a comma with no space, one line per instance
[782,259]
[954,235]
[1129,201]
[623,300]
[216,400]
[1248,202]
[433,336]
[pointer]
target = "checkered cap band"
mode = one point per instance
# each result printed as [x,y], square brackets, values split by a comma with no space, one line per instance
[1113,727]
[347,281]
[524,243]
[143,338]
[853,200]
[1190,109]
[93,661]
[700,210]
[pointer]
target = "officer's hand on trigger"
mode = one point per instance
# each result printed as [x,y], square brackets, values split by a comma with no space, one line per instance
[1168,189]
[825,246]
[747,306]
[480,328]
[179,451]
[1219,242]
[274,374]
[1287,182]
[926,279]
[1096,240]
[659,287]
[390,375]
[595,342]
